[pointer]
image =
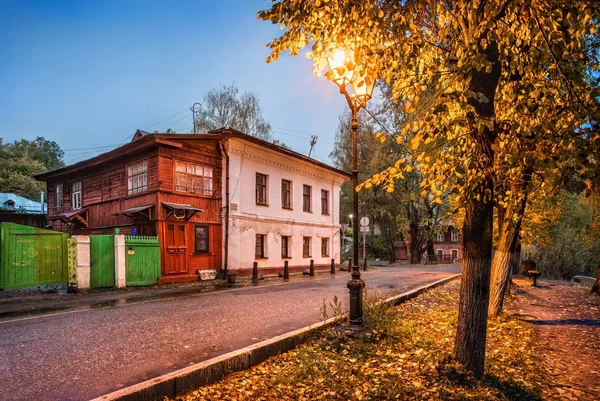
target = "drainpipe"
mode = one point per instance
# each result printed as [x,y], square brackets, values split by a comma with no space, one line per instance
[42,202]
[226,250]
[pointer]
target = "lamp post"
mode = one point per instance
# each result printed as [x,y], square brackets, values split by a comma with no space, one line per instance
[342,71]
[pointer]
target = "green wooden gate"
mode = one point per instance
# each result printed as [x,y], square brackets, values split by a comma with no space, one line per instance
[102,261]
[31,256]
[142,261]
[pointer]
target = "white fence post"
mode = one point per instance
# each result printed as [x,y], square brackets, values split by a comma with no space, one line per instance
[120,261]
[83,261]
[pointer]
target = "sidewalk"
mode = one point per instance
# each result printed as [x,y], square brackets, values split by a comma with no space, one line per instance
[566,318]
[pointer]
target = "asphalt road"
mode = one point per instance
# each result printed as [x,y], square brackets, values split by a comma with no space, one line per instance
[81,353]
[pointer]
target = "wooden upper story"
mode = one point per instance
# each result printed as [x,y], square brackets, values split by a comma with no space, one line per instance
[147,172]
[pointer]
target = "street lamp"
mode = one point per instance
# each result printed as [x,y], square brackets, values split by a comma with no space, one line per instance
[343,72]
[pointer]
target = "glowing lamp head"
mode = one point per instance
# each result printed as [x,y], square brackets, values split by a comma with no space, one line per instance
[340,68]
[362,86]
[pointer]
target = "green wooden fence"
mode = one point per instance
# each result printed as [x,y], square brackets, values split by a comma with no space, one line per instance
[142,261]
[102,261]
[31,256]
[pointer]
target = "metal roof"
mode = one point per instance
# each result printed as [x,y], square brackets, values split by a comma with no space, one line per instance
[10,202]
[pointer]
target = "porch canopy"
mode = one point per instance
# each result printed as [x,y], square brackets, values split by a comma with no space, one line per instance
[180,210]
[132,211]
[68,216]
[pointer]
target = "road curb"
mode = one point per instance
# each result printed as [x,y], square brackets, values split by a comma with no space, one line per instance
[215,369]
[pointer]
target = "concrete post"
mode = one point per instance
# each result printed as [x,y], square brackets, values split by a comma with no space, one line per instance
[120,261]
[83,261]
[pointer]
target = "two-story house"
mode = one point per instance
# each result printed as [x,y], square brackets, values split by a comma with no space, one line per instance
[222,199]
[167,185]
[448,244]
[283,206]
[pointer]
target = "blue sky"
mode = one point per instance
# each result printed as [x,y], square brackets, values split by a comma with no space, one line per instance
[87,74]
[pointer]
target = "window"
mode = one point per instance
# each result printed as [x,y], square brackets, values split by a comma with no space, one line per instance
[454,236]
[261,189]
[440,237]
[259,251]
[440,254]
[194,178]
[306,192]
[306,247]
[324,247]
[76,195]
[286,194]
[201,237]
[324,202]
[137,177]
[59,196]
[285,247]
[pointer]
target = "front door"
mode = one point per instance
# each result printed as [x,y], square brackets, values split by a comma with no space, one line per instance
[454,255]
[176,249]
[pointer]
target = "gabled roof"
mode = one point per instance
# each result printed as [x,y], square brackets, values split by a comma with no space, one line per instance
[10,202]
[233,133]
[142,140]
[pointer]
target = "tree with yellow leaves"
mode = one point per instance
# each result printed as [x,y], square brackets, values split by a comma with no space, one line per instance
[453,63]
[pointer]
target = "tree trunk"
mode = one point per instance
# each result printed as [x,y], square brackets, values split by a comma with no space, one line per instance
[416,244]
[596,286]
[509,229]
[469,345]
[516,257]
[501,266]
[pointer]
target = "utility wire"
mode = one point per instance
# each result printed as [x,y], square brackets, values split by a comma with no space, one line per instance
[166,119]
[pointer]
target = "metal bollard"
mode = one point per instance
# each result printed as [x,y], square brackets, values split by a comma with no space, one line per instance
[365,265]
[255,273]
[350,265]
[332,266]
[312,268]
[286,270]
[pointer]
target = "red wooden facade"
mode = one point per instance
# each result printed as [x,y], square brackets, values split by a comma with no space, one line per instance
[167,185]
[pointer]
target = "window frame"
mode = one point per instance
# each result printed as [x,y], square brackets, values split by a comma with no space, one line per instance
[285,239]
[324,247]
[79,192]
[59,196]
[306,207]
[130,178]
[325,202]
[288,193]
[203,178]
[306,247]
[263,247]
[263,188]
[442,236]
[207,228]
[454,236]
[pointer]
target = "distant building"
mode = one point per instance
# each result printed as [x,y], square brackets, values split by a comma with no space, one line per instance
[17,209]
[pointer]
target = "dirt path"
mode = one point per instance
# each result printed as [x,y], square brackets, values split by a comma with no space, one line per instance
[567,322]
